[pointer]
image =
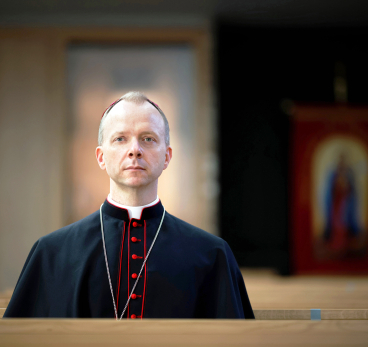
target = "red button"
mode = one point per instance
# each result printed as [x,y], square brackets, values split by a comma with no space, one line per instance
[134,296]
[134,239]
[133,316]
[134,275]
[135,224]
[134,256]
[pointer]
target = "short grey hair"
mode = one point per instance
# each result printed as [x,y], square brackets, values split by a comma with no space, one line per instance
[137,98]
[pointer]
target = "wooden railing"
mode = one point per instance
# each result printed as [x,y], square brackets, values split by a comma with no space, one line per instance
[313,314]
[193,333]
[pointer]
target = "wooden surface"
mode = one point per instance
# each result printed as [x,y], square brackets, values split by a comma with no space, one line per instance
[100,332]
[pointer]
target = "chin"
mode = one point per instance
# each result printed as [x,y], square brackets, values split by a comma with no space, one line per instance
[134,183]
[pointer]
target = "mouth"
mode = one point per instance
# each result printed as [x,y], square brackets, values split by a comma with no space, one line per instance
[134,168]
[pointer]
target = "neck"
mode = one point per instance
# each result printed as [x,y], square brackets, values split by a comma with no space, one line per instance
[129,196]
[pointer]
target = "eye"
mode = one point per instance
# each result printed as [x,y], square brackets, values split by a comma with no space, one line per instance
[148,139]
[119,139]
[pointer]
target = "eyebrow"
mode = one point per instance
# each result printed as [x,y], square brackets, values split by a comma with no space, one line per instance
[118,133]
[149,132]
[122,132]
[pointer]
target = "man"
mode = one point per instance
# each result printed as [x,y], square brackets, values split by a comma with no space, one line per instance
[131,259]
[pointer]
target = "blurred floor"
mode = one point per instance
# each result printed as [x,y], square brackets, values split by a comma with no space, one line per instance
[4,298]
[267,290]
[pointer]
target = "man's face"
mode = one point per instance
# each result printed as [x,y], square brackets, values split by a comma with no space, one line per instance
[133,151]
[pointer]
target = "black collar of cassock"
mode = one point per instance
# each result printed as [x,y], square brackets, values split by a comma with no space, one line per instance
[121,213]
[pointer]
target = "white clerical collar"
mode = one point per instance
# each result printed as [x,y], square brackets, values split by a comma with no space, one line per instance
[133,211]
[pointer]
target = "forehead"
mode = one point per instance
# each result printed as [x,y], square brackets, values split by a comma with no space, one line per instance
[130,116]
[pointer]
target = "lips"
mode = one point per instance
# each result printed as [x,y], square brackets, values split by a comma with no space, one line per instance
[134,168]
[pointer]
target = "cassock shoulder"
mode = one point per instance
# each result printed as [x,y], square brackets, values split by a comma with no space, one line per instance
[53,269]
[76,232]
[221,288]
[199,243]
[184,230]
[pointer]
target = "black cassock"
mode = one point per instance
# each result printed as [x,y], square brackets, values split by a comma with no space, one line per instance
[189,273]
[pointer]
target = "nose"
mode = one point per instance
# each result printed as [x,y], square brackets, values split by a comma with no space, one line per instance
[135,150]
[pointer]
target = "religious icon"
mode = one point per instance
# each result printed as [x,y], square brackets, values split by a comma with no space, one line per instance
[329,189]
[339,173]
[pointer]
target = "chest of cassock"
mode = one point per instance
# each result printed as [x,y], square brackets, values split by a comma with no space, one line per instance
[189,273]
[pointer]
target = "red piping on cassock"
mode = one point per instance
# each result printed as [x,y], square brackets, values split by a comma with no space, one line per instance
[119,274]
[145,269]
[128,265]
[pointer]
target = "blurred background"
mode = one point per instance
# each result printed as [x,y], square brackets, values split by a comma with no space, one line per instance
[267,105]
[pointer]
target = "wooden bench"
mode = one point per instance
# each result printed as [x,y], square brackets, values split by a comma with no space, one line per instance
[291,311]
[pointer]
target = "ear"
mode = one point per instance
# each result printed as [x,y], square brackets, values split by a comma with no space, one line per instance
[168,156]
[100,158]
